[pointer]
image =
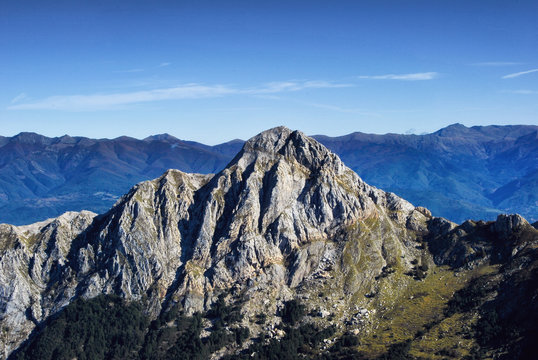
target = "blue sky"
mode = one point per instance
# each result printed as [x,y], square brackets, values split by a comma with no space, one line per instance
[212,71]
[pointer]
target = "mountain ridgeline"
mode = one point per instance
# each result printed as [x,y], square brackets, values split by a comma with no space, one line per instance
[457,172]
[43,177]
[285,253]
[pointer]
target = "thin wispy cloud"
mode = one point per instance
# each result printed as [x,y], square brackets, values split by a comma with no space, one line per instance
[163,64]
[107,101]
[267,97]
[405,77]
[282,86]
[518,74]
[341,109]
[521,92]
[496,63]
[186,91]
[18,98]
[130,71]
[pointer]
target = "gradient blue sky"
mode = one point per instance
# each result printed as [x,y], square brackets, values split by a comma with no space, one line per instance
[212,71]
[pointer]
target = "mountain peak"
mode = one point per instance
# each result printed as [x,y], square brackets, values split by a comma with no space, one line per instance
[291,144]
[268,141]
[453,130]
[30,138]
[164,137]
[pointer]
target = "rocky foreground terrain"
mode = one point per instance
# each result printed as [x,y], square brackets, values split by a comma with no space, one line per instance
[285,251]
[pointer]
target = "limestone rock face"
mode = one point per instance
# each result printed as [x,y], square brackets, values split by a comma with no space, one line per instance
[508,224]
[284,219]
[33,261]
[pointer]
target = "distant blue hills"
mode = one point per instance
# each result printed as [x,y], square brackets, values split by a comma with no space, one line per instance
[457,172]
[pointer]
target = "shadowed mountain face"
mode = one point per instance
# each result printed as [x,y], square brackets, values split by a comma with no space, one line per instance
[284,221]
[457,172]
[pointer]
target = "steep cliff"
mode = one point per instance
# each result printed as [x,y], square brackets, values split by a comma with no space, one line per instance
[286,219]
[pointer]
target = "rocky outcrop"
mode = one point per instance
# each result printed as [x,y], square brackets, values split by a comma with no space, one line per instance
[285,219]
[475,242]
[33,262]
[506,225]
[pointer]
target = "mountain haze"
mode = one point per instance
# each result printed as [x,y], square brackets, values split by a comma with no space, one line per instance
[457,172]
[43,177]
[284,221]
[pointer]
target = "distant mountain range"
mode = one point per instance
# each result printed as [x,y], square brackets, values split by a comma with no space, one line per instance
[42,177]
[457,172]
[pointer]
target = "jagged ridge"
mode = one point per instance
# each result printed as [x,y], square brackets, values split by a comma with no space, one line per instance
[283,218]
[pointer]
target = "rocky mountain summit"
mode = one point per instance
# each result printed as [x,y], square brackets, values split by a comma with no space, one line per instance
[284,221]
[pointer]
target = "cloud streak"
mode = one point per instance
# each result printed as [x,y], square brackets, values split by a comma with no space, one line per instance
[105,101]
[185,91]
[521,92]
[129,71]
[518,74]
[496,63]
[340,109]
[283,86]
[18,98]
[405,77]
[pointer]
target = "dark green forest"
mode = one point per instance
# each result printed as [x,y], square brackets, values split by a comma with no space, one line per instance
[107,327]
